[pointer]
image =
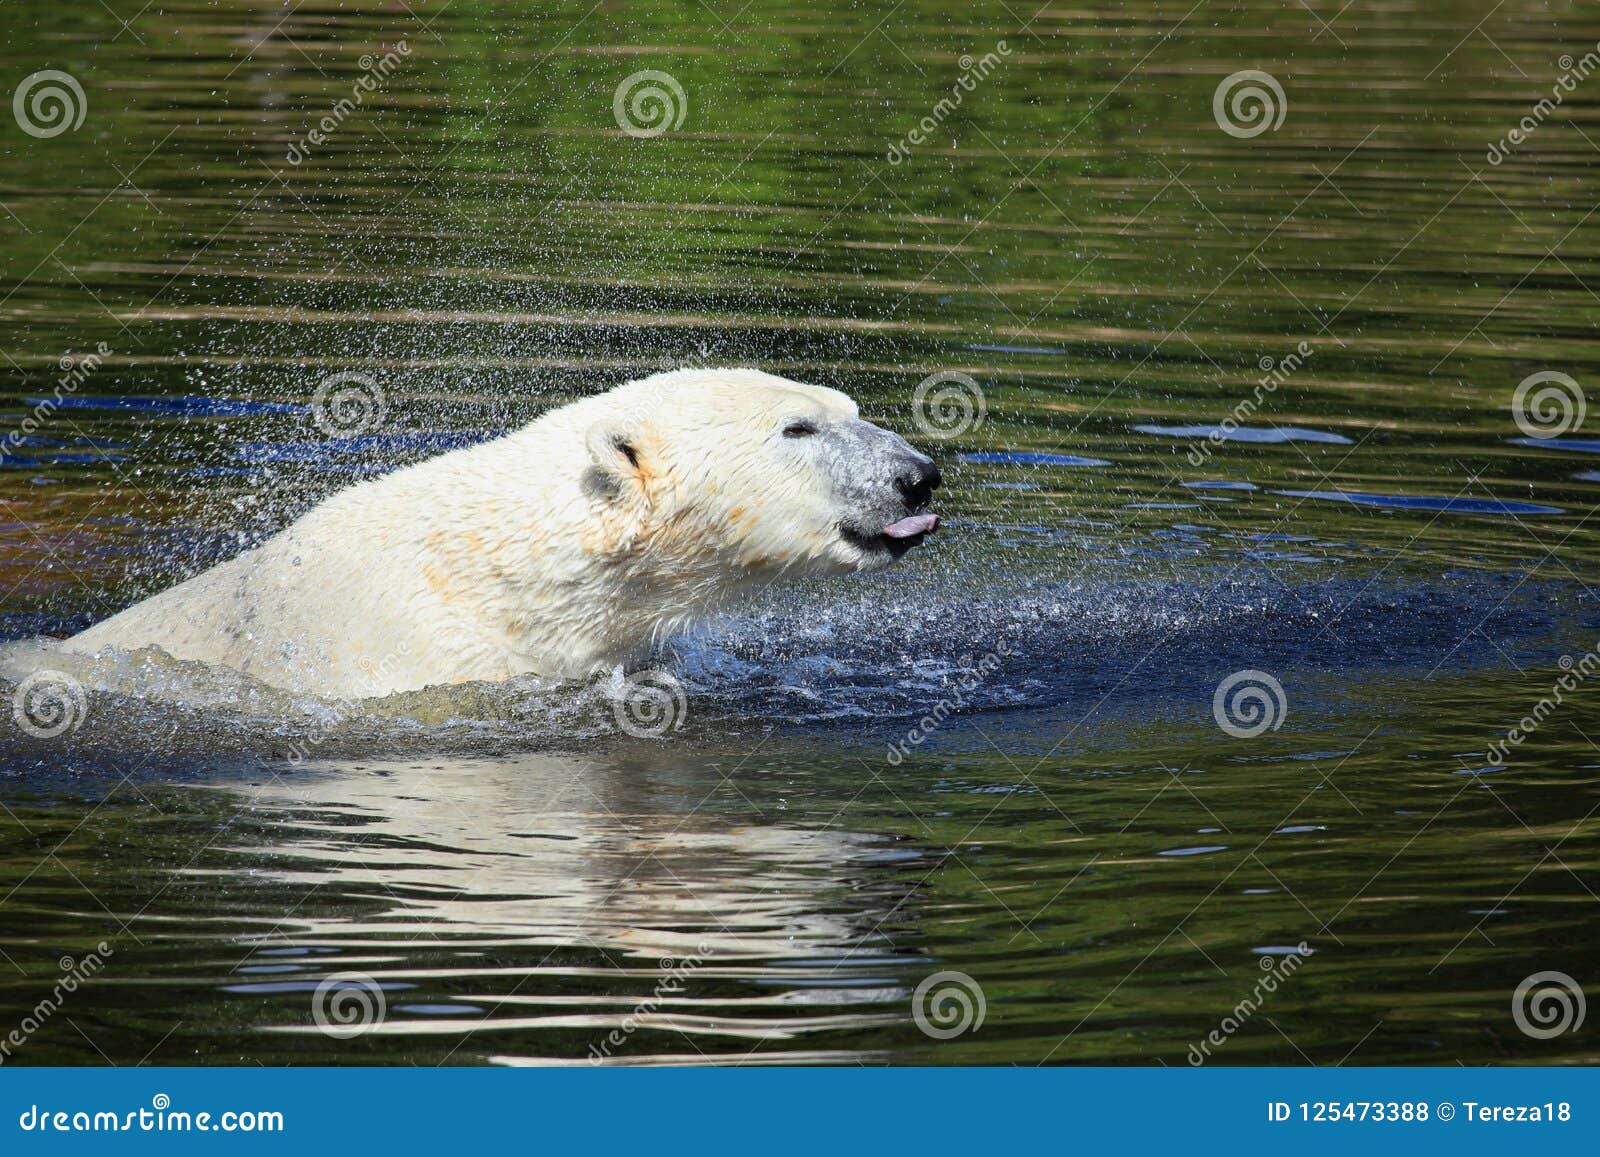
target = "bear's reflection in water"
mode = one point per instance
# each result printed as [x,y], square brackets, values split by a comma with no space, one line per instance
[555,898]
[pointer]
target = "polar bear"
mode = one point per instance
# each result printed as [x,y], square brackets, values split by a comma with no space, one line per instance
[569,546]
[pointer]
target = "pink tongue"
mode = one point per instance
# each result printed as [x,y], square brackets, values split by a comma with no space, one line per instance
[916,524]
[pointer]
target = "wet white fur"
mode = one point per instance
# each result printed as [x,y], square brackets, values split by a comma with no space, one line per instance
[546,551]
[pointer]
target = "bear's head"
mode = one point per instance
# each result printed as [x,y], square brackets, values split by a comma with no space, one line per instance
[746,470]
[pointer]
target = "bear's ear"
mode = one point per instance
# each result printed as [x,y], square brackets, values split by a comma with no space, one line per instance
[614,449]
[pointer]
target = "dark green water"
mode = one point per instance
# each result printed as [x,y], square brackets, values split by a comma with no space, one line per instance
[1083,240]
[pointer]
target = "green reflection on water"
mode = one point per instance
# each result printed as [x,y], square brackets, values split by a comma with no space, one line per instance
[1079,237]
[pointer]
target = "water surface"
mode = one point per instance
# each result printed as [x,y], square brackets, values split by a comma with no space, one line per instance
[774,877]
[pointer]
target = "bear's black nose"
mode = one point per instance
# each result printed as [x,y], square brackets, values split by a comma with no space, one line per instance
[917,482]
